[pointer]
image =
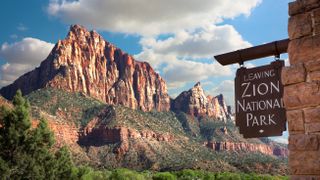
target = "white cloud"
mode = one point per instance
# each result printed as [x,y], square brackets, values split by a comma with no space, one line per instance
[10,72]
[183,71]
[203,43]
[178,56]
[177,72]
[147,17]
[22,57]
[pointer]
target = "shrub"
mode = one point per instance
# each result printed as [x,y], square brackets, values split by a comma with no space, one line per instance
[164,176]
[228,176]
[126,174]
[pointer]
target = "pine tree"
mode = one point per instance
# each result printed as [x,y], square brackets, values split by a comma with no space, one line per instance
[63,164]
[14,134]
[25,152]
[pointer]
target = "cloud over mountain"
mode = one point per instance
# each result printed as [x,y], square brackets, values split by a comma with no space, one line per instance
[179,57]
[21,57]
[145,17]
[190,31]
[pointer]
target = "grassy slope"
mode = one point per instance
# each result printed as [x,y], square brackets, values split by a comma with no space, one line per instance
[74,106]
[185,152]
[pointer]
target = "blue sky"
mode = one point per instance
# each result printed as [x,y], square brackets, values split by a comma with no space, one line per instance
[177,37]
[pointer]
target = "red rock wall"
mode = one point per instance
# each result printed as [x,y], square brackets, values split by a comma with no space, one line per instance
[302,89]
[65,134]
[120,134]
[234,146]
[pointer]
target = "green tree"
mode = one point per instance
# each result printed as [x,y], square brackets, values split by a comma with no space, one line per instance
[63,164]
[25,152]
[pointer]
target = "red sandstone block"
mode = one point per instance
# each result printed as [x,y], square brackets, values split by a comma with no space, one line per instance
[300,50]
[310,4]
[312,65]
[304,162]
[312,115]
[301,6]
[295,120]
[300,25]
[300,95]
[295,7]
[303,142]
[312,128]
[305,177]
[305,49]
[314,76]
[316,16]
[293,74]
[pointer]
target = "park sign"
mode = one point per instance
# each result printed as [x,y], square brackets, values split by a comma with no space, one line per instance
[259,106]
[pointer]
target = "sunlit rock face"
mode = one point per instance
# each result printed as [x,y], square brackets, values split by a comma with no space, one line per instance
[85,62]
[248,147]
[196,103]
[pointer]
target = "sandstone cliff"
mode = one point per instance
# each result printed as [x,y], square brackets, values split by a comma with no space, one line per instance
[248,147]
[196,103]
[85,62]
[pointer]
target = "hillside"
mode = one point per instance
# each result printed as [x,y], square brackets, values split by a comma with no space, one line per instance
[116,136]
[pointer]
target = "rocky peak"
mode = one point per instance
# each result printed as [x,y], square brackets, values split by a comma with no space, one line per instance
[196,103]
[85,62]
[222,111]
[77,31]
[198,84]
[222,101]
[192,102]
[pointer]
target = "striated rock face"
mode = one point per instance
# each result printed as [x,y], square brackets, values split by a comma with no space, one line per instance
[97,133]
[196,103]
[85,62]
[242,146]
[64,133]
[193,102]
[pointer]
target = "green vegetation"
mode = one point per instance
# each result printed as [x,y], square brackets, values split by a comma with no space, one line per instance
[257,162]
[76,106]
[218,131]
[25,153]
[126,174]
[162,122]
[189,124]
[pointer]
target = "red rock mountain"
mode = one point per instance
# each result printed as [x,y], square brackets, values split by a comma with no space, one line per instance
[196,103]
[85,62]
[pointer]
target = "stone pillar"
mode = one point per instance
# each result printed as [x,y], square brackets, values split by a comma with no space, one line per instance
[302,89]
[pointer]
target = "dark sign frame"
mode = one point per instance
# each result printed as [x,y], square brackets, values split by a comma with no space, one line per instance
[258,101]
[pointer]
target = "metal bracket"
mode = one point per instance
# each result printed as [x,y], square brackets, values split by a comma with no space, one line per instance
[241,60]
[277,55]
